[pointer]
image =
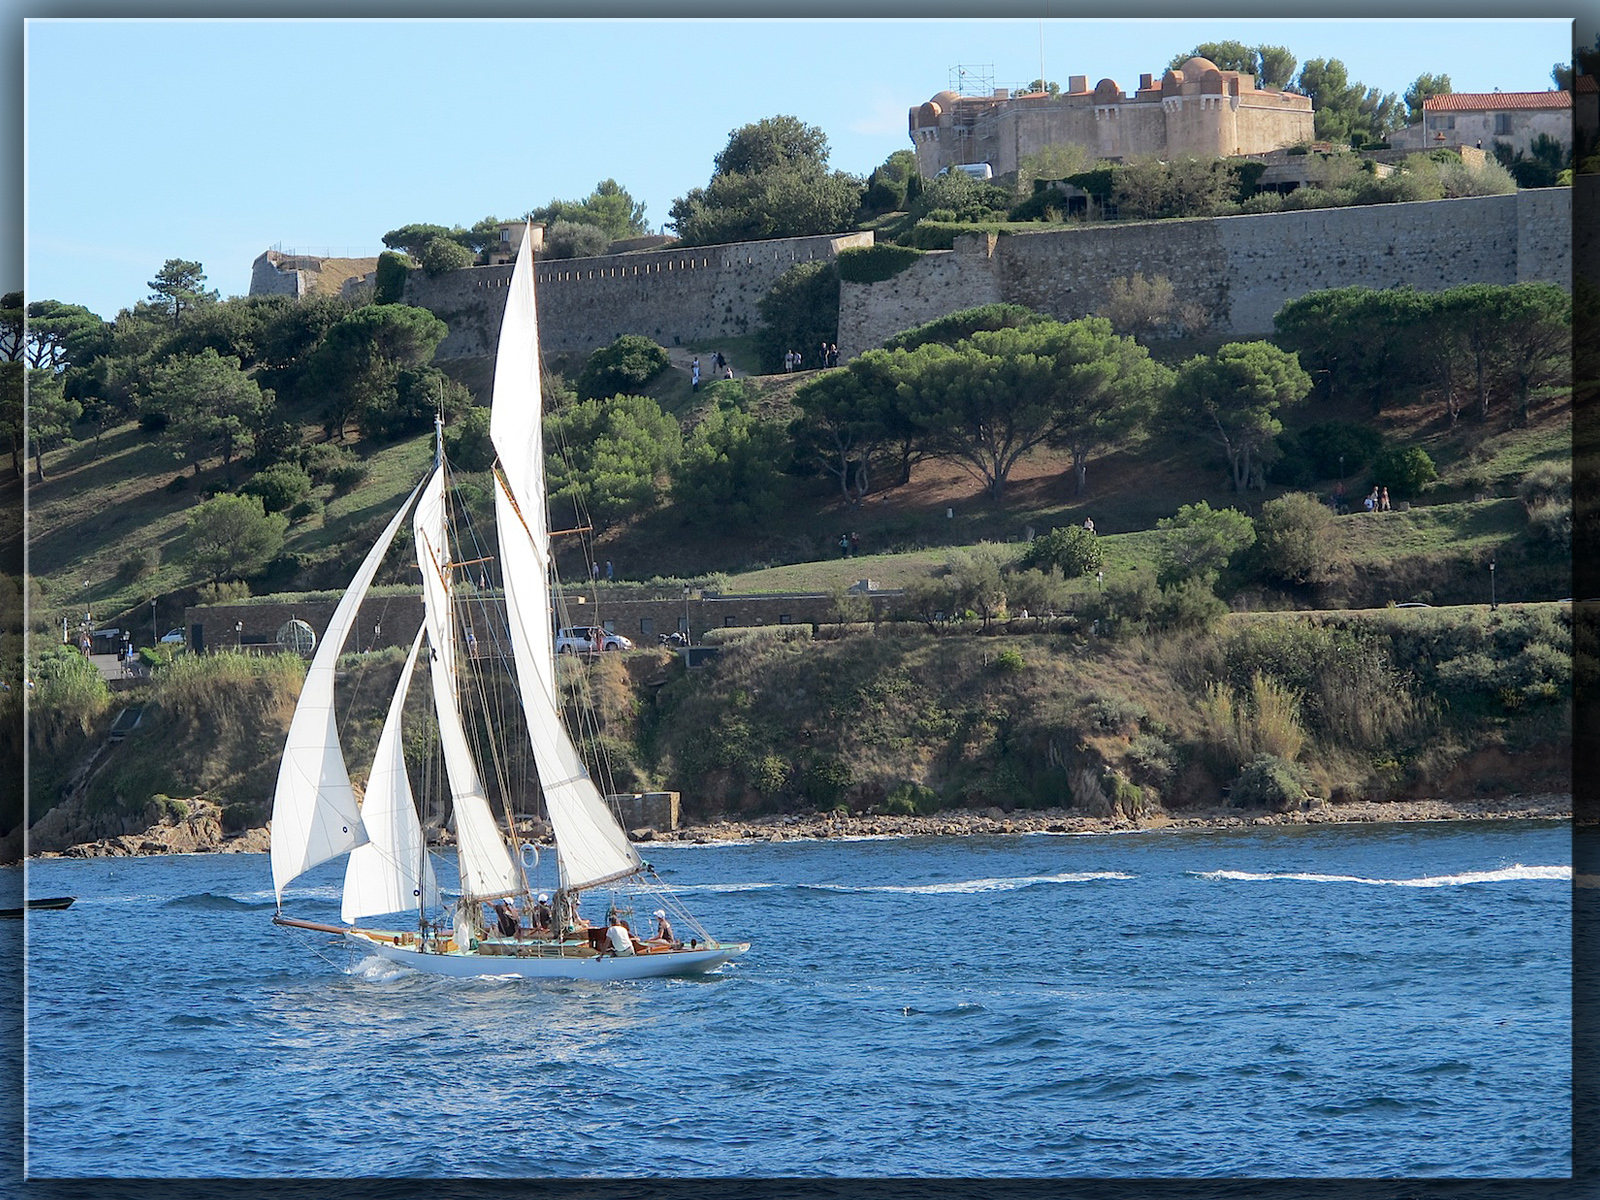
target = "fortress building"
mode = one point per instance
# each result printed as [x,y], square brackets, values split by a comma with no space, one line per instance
[1196,109]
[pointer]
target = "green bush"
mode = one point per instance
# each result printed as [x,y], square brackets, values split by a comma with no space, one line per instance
[1114,713]
[874,264]
[1009,659]
[389,280]
[625,366]
[1074,551]
[1405,471]
[1272,783]
[1295,540]
[281,486]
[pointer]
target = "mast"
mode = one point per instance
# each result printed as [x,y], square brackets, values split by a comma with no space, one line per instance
[591,846]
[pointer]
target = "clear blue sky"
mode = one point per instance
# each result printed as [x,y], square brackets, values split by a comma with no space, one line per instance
[215,140]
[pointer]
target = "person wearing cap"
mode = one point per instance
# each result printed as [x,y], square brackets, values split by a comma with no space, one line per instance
[541,914]
[663,935]
[506,918]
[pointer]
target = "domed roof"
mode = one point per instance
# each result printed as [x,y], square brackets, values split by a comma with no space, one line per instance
[928,114]
[1108,89]
[946,98]
[1195,67]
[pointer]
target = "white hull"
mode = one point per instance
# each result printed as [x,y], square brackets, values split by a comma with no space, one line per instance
[573,965]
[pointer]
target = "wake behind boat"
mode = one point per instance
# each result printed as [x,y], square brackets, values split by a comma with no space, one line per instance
[500,924]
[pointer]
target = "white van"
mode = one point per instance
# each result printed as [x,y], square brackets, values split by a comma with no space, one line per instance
[976,170]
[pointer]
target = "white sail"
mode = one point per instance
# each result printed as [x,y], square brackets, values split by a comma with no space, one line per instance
[486,866]
[390,873]
[591,846]
[314,812]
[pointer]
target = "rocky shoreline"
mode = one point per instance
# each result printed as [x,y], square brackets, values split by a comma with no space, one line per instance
[200,830]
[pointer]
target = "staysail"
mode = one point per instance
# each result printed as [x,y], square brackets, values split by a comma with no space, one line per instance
[486,867]
[314,812]
[592,847]
[390,872]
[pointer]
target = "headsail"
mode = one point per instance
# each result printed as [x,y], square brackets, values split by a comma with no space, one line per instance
[390,873]
[314,811]
[486,866]
[591,845]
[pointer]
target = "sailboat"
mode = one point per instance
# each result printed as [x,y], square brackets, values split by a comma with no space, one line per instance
[317,817]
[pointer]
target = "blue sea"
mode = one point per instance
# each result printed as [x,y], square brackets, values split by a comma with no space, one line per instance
[1266,1002]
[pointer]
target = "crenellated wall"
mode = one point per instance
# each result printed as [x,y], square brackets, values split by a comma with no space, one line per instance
[670,296]
[1242,270]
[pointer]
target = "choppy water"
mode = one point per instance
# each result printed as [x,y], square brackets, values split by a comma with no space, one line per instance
[1273,1002]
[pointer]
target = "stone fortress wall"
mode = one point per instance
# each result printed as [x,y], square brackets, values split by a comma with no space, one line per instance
[1241,269]
[670,296]
[1196,109]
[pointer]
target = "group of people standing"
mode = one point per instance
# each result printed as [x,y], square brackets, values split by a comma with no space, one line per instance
[719,364]
[1376,500]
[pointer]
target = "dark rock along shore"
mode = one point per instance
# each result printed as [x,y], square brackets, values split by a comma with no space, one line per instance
[201,830]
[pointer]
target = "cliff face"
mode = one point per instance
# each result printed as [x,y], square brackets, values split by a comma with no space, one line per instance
[1264,713]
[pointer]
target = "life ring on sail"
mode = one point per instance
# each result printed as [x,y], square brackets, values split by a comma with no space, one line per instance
[526,865]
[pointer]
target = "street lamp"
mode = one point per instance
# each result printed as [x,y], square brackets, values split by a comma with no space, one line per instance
[1099,581]
[377,629]
[686,640]
[238,635]
[1493,603]
[155,637]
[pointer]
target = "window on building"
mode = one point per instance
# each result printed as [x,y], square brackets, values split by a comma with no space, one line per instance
[1502,122]
[783,619]
[647,627]
[611,626]
[727,622]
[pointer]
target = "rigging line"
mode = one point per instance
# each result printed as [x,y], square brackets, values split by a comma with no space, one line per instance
[476,680]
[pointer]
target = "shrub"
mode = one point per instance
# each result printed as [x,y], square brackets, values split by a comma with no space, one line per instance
[1189,604]
[874,264]
[1295,539]
[280,486]
[1272,783]
[389,280]
[1405,471]
[625,366]
[769,774]
[444,255]
[1113,713]
[1075,551]
[1009,659]
[1153,757]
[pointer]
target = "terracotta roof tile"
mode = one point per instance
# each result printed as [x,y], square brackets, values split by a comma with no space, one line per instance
[1496,101]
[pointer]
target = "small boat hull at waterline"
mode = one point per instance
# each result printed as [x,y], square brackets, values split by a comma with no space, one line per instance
[460,965]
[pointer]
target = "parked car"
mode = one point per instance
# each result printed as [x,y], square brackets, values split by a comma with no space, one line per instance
[586,639]
[172,637]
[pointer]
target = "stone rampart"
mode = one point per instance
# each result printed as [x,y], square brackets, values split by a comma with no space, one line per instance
[670,296]
[1241,270]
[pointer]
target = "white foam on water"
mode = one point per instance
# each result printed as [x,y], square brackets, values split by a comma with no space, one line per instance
[1504,875]
[967,887]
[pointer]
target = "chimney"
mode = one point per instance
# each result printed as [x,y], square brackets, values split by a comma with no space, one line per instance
[1077,83]
[1146,83]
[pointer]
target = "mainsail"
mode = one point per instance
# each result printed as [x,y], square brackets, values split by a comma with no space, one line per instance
[486,866]
[390,872]
[314,811]
[592,847]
